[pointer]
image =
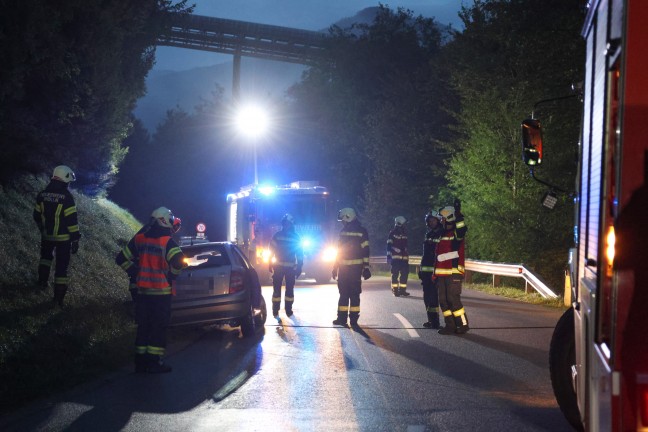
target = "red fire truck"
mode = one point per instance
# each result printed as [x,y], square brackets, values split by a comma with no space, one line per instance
[599,349]
[255,214]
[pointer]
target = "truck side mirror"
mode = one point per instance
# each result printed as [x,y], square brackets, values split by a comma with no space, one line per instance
[531,142]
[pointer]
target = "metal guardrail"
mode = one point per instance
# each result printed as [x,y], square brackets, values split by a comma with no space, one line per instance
[488,267]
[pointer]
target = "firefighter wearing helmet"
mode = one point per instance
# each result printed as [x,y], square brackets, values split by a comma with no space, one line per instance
[351,266]
[398,257]
[449,269]
[158,260]
[288,257]
[55,215]
[426,271]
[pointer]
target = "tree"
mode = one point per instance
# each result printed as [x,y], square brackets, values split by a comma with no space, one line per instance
[375,104]
[71,74]
[511,54]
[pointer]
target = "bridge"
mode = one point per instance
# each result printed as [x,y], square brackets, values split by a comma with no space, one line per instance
[243,39]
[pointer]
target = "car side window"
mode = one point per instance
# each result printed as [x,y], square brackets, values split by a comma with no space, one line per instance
[239,258]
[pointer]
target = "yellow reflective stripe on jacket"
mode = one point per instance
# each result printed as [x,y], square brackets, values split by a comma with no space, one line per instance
[364,244]
[60,237]
[173,252]
[154,291]
[68,211]
[57,219]
[427,269]
[351,233]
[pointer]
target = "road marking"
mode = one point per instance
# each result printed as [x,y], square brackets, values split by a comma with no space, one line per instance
[407,325]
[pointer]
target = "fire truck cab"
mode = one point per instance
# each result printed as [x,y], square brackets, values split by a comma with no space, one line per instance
[254,216]
[599,349]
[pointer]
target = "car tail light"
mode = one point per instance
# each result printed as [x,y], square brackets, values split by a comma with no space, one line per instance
[236,282]
[642,396]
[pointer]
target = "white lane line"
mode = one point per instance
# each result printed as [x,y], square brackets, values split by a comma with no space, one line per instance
[407,325]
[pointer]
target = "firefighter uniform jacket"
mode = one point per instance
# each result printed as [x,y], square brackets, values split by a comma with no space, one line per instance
[432,238]
[158,258]
[286,247]
[397,244]
[449,251]
[55,213]
[353,245]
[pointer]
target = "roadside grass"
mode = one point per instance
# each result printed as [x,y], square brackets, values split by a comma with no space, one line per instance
[44,349]
[517,293]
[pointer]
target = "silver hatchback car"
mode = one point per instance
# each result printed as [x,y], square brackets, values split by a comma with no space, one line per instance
[218,286]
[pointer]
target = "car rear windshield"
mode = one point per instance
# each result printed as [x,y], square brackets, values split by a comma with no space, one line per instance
[206,256]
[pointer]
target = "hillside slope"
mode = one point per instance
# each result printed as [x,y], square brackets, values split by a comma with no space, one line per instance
[43,349]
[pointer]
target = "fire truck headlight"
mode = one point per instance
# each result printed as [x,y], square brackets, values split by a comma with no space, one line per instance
[329,254]
[266,255]
[306,243]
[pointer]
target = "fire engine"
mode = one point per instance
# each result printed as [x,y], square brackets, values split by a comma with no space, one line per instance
[255,213]
[599,348]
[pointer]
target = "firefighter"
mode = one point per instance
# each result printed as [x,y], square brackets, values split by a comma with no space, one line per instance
[426,272]
[351,264]
[132,269]
[286,248]
[55,214]
[449,269]
[397,257]
[159,261]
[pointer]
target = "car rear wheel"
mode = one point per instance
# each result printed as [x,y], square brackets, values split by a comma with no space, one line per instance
[261,317]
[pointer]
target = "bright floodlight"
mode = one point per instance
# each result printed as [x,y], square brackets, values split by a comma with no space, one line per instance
[252,121]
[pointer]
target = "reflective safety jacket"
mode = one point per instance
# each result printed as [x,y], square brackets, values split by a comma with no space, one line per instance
[158,258]
[55,213]
[397,244]
[449,252]
[353,245]
[432,238]
[287,249]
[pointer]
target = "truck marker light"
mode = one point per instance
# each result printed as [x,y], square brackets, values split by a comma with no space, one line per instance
[610,242]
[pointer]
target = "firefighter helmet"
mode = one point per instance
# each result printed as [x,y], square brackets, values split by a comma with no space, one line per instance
[287,219]
[448,213]
[399,220]
[346,215]
[433,214]
[177,224]
[63,173]
[164,217]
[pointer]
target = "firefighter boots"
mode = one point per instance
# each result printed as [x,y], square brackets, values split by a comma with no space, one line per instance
[156,365]
[450,326]
[396,292]
[59,294]
[141,362]
[402,292]
[340,322]
[433,320]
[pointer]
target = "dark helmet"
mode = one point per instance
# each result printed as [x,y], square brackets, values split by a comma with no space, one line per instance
[433,214]
[287,219]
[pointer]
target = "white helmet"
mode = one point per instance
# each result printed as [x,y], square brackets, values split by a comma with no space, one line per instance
[287,218]
[399,220]
[164,217]
[448,213]
[346,215]
[63,173]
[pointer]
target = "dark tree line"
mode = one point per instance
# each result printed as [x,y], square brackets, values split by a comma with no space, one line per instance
[71,74]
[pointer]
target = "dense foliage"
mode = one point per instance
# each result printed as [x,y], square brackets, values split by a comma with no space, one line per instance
[511,55]
[377,105]
[71,73]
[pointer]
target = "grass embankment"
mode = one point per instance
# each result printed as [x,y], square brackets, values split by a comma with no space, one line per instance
[45,349]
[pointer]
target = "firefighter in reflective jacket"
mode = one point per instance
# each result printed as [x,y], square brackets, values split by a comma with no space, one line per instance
[426,272]
[159,261]
[56,216]
[398,257]
[288,261]
[449,270]
[351,264]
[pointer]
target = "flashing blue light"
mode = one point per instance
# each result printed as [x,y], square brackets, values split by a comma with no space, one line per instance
[266,190]
[306,243]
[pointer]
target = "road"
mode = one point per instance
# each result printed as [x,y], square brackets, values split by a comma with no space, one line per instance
[304,374]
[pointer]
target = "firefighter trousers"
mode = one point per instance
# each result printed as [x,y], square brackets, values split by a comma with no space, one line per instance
[50,249]
[430,295]
[449,288]
[280,273]
[350,287]
[399,274]
[152,314]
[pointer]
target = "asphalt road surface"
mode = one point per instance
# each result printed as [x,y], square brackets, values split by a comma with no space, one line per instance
[304,374]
